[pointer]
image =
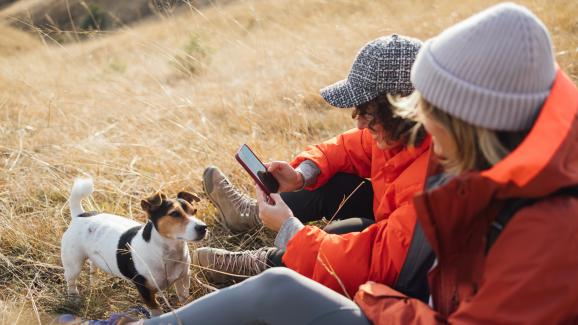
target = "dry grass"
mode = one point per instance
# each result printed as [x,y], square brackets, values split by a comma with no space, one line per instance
[127,110]
[14,41]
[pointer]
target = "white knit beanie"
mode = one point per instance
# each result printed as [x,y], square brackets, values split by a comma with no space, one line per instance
[492,70]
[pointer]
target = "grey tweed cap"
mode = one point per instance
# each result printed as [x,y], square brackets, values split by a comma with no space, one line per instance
[492,70]
[381,66]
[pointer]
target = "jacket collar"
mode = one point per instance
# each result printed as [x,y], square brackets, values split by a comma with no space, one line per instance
[403,156]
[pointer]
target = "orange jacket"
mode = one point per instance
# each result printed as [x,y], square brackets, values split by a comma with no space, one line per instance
[529,276]
[378,252]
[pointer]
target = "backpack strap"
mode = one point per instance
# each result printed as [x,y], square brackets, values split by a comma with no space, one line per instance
[515,205]
[508,211]
[412,280]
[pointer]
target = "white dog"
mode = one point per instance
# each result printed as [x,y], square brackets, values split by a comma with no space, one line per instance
[152,256]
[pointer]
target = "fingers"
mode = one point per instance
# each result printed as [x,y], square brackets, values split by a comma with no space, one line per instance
[259,194]
[272,166]
[276,166]
[276,197]
[264,200]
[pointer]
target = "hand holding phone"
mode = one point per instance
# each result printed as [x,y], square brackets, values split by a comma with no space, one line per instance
[265,180]
[273,211]
[289,179]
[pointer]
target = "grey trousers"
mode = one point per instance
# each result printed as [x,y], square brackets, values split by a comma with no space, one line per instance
[276,296]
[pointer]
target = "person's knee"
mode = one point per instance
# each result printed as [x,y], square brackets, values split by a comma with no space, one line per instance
[276,275]
[340,227]
[279,279]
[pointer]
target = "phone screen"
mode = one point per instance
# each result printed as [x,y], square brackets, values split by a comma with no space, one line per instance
[255,167]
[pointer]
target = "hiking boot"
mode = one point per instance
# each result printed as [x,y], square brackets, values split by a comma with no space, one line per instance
[237,211]
[221,266]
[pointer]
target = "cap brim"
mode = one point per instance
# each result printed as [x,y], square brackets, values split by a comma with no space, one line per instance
[341,94]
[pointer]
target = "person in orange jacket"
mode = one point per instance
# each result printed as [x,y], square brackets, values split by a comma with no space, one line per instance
[503,220]
[371,164]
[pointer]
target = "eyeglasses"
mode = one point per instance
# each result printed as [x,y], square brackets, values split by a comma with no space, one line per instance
[369,117]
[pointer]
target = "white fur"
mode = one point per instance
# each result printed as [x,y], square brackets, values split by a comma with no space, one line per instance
[82,188]
[161,261]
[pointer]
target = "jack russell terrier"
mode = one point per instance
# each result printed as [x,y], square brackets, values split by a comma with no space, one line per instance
[153,256]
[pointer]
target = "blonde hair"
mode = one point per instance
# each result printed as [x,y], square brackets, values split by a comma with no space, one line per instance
[477,148]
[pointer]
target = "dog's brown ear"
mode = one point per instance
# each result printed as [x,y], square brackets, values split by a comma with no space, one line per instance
[189,197]
[152,202]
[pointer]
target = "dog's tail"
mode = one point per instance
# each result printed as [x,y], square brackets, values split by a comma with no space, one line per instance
[82,188]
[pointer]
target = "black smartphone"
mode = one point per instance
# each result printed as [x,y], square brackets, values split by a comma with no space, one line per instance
[257,170]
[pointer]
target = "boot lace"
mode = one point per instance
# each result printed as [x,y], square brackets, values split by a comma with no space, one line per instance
[246,206]
[245,263]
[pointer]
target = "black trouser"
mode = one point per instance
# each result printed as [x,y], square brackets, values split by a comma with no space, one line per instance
[356,213]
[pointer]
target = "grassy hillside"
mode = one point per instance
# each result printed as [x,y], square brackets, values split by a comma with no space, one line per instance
[75,20]
[14,41]
[148,107]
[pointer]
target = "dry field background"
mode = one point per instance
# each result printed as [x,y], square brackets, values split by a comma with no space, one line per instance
[148,107]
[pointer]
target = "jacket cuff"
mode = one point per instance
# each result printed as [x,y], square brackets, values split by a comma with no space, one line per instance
[289,228]
[309,170]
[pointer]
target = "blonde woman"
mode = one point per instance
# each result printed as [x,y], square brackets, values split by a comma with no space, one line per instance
[503,217]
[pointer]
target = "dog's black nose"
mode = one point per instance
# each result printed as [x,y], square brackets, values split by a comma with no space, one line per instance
[201,228]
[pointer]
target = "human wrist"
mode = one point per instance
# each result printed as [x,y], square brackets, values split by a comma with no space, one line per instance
[309,172]
[286,232]
[301,181]
[281,221]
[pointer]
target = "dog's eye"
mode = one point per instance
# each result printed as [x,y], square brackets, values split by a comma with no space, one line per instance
[175,214]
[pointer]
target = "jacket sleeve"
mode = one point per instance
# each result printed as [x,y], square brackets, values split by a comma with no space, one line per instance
[384,305]
[349,152]
[344,262]
[529,278]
